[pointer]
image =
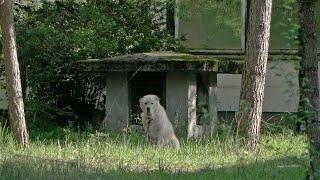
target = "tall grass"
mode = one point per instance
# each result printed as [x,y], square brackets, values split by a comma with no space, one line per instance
[99,155]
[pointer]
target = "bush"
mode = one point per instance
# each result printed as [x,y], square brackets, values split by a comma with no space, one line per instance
[51,37]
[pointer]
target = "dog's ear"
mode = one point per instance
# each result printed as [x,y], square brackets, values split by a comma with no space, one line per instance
[157,98]
[141,102]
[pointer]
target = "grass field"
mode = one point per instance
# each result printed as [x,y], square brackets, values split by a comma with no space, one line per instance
[98,155]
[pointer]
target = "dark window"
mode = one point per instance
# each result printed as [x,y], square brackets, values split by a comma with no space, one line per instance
[202,98]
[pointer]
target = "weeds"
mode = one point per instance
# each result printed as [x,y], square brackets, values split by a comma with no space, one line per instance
[99,155]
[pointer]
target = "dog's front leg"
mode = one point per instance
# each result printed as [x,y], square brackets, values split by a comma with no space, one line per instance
[145,125]
[144,122]
[160,142]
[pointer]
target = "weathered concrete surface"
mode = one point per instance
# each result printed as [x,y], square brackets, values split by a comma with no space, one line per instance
[163,61]
[207,120]
[192,105]
[281,90]
[213,103]
[117,105]
[180,86]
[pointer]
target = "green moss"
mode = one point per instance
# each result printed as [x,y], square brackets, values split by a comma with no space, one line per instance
[172,61]
[230,66]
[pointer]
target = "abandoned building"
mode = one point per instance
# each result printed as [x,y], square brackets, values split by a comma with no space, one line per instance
[203,82]
[206,78]
[186,85]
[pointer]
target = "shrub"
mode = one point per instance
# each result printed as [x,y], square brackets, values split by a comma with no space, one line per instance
[53,36]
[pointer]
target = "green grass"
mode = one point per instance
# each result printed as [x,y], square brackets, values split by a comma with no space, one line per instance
[128,156]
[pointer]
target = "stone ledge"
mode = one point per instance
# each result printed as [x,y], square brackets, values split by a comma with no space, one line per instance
[163,61]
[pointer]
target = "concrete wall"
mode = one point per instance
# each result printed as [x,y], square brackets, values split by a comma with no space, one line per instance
[179,87]
[117,102]
[280,94]
[281,90]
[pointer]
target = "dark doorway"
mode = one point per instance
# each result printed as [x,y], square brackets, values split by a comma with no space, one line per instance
[143,83]
[202,98]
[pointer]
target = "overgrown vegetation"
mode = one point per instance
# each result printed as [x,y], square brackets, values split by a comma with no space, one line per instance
[52,36]
[94,155]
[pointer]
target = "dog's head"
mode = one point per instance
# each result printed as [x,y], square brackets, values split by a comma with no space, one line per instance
[149,104]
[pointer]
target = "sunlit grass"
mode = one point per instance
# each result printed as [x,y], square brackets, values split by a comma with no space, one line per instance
[99,155]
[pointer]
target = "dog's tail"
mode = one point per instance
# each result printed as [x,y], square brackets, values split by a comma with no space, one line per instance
[175,142]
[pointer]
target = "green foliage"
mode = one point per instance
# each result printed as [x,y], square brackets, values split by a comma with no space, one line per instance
[285,35]
[5,136]
[55,35]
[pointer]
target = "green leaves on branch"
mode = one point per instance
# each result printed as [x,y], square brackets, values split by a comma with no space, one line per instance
[54,35]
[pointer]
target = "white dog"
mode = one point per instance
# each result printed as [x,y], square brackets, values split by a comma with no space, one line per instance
[155,122]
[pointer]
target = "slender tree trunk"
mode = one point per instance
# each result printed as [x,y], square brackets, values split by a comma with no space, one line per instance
[254,72]
[15,101]
[309,83]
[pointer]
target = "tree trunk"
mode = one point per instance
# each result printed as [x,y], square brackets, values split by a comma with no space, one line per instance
[254,72]
[15,101]
[309,83]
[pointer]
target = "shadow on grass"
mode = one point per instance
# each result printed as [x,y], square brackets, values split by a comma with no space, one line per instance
[25,167]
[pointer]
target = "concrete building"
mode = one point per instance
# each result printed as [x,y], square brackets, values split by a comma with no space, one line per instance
[185,84]
[214,30]
[192,88]
[209,74]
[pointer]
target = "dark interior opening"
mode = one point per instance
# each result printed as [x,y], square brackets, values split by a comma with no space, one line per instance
[143,83]
[202,98]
